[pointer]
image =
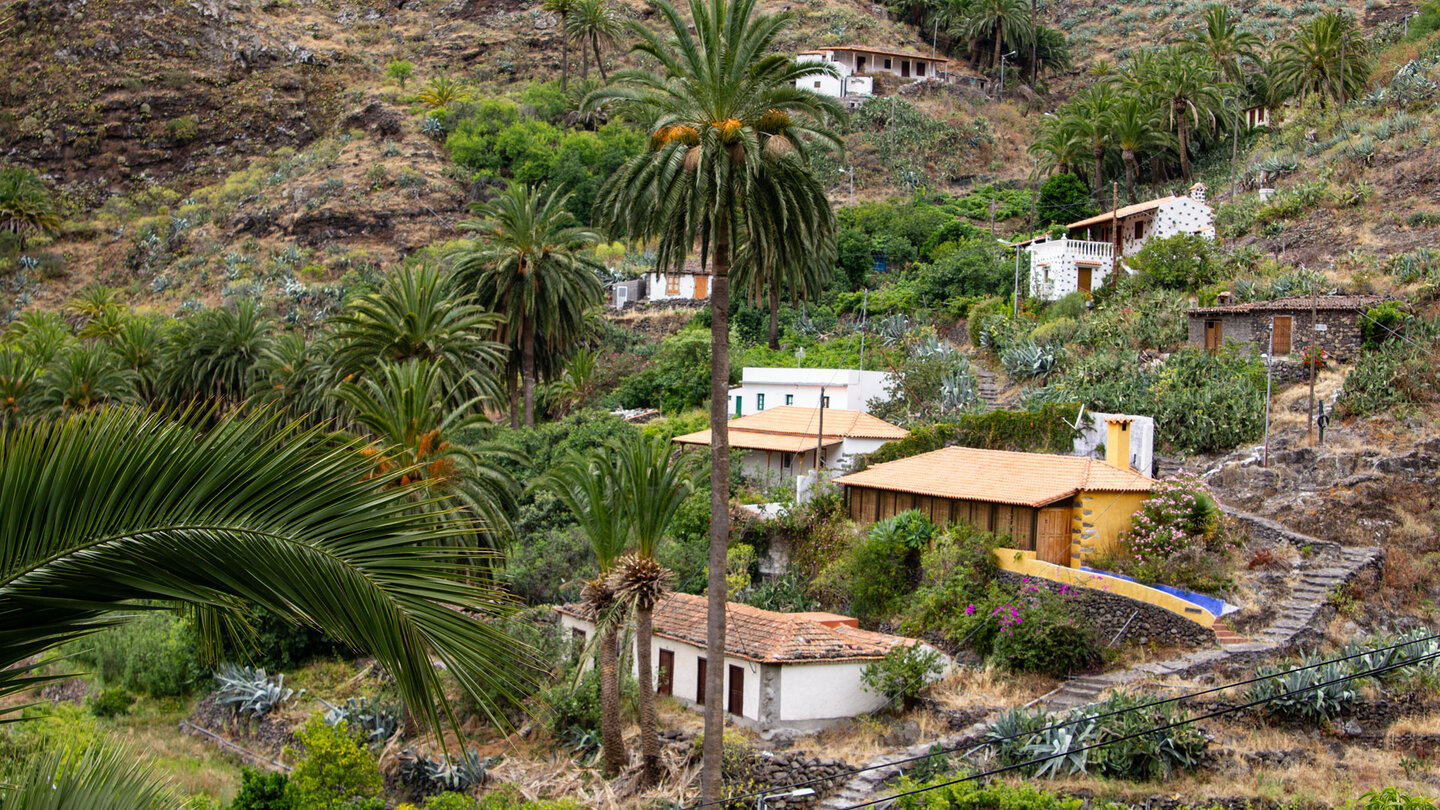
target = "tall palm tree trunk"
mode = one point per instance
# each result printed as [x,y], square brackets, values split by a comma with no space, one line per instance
[1098,151]
[775,317]
[584,60]
[999,40]
[713,750]
[527,370]
[514,391]
[612,744]
[1184,150]
[649,733]
[564,56]
[599,63]
[1131,169]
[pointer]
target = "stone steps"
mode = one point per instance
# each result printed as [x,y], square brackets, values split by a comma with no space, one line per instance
[1224,636]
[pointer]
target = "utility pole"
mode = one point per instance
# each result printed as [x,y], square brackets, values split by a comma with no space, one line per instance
[1003,57]
[864,309]
[852,185]
[1269,362]
[1314,361]
[820,437]
[1234,147]
[892,132]
[1115,231]
[992,217]
[1017,278]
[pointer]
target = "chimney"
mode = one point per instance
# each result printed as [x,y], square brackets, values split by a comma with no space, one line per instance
[1197,192]
[1117,441]
[1224,298]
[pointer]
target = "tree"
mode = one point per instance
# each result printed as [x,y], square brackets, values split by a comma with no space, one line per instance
[801,267]
[562,10]
[293,375]
[1192,98]
[213,355]
[84,376]
[1056,149]
[118,507]
[1063,198]
[725,110]
[26,204]
[97,777]
[441,92]
[654,479]
[400,70]
[1003,21]
[1223,44]
[594,21]
[1088,119]
[1329,57]
[1134,128]
[421,313]
[527,265]
[588,487]
[19,381]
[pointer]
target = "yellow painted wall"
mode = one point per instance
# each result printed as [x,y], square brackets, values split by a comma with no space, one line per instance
[1097,521]
[1025,564]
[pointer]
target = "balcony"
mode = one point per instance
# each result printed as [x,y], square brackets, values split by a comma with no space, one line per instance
[1073,249]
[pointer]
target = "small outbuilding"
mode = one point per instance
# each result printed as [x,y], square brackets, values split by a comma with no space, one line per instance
[1063,508]
[689,282]
[794,671]
[1332,322]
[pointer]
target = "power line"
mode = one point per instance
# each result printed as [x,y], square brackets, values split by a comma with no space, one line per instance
[1087,718]
[1218,713]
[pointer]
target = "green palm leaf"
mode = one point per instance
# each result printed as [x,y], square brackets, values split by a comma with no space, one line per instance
[97,778]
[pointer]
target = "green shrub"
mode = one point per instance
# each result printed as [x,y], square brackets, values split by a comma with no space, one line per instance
[1177,537]
[1381,323]
[110,703]
[1207,402]
[973,796]
[450,800]
[154,654]
[881,568]
[262,791]
[1395,375]
[1317,704]
[334,771]
[1063,198]
[956,571]
[184,128]
[903,674]
[1180,262]
[1045,430]
[1392,798]
[400,70]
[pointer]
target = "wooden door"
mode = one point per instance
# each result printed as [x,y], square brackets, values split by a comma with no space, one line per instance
[1214,335]
[905,68]
[666,685]
[736,697]
[700,681]
[1053,528]
[1282,334]
[1084,279]
[702,287]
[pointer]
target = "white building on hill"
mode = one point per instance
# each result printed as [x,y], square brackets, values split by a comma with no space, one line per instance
[781,442]
[846,388]
[856,66]
[1083,258]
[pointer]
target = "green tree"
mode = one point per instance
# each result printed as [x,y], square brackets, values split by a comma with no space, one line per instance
[400,70]
[1329,57]
[26,204]
[98,777]
[1062,199]
[19,381]
[213,354]
[562,10]
[1135,129]
[1192,96]
[1224,44]
[293,375]
[1006,22]
[441,92]
[1088,119]
[119,507]
[725,111]
[334,771]
[82,377]
[654,479]
[594,22]
[1056,149]
[528,265]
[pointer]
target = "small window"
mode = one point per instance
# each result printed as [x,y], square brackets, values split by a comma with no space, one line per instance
[824,402]
[1139,229]
[737,406]
[785,461]
[919,68]
[577,633]
[759,402]
[887,64]
[672,284]
[789,399]
[817,85]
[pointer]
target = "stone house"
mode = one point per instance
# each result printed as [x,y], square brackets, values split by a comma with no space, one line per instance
[1064,509]
[1336,325]
[793,671]
[781,442]
[1084,257]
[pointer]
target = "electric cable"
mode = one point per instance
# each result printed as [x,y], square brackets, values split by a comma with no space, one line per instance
[1087,718]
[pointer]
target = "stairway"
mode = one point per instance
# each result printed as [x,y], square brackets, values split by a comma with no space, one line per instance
[1225,636]
[987,388]
[1078,692]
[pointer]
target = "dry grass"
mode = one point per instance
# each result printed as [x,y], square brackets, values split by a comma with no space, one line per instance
[968,688]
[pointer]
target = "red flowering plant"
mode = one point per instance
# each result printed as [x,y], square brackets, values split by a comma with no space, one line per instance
[1031,627]
[1178,537]
[1314,356]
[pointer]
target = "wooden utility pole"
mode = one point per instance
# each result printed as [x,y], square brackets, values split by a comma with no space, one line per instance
[1115,231]
[820,437]
[1314,361]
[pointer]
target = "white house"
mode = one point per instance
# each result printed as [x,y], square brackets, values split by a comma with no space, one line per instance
[856,66]
[794,671]
[847,388]
[1083,258]
[689,283]
[781,442]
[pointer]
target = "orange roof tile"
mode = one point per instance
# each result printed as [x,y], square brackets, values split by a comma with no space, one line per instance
[750,440]
[1126,211]
[793,420]
[764,636]
[997,476]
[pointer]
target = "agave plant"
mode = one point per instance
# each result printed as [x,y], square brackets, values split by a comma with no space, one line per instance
[1292,692]
[433,775]
[98,777]
[1028,360]
[249,690]
[379,723]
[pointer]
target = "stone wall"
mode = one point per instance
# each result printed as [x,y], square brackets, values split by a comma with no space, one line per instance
[1108,613]
[1341,339]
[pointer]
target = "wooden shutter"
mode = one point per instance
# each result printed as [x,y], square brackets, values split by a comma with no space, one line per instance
[736,703]
[1053,544]
[700,681]
[702,287]
[1282,334]
[667,673]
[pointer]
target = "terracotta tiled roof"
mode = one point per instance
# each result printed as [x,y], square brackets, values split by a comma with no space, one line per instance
[1121,213]
[1301,302]
[997,476]
[766,430]
[766,636]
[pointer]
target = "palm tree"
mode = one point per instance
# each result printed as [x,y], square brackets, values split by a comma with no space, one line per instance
[84,376]
[528,265]
[19,378]
[1088,121]
[654,479]
[587,486]
[594,22]
[1004,21]
[97,777]
[1223,43]
[724,112]
[421,313]
[579,382]
[1135,128]
[801,262]
[442,91]
[40,334]
[26,204]
[407,408]
[1056,149]
[1192,97]
[139,344]
[119,508]
[1329,57]
[213,354]
[293,375]
[562,10]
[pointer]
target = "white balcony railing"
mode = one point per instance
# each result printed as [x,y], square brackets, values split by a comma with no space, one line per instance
[1076,249]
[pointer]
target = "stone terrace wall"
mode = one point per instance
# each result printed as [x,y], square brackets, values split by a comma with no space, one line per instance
[1108,613]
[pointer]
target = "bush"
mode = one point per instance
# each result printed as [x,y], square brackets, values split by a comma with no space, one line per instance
[973,796]
[1380,324]
[881,568]
[1029,628]
[1207,402]
[956,570]
[1177,537]
[1046,430]
[400,70]
[110,703]
[1397,374]
[154,654]
[903,674]
[1181,262]
[262,791]
[1063,198]
[334,771]
[974,269]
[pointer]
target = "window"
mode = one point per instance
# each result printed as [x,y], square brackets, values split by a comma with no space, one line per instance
[672,284]
[785,461]
[666,684]
[789,399]
[759,402]
[919,68]
[1139,229]
[578,634]
[700,681]
[824,402]
[737,406]
[887,64]
[817,85]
